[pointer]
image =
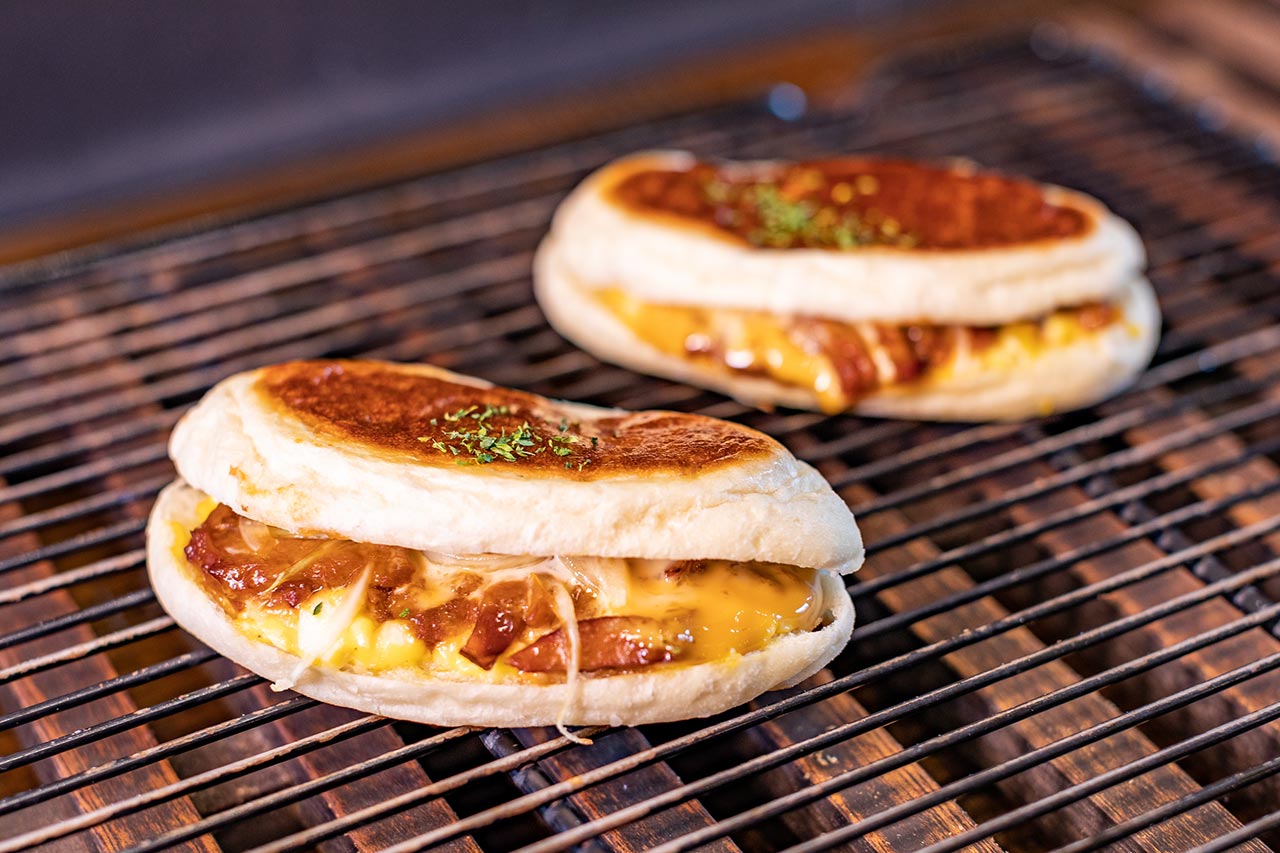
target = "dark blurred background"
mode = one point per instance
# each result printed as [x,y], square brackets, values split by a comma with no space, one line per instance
[111,101]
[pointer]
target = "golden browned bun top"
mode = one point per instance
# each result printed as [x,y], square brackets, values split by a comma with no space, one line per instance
[414,456]
[851,202]
[430,419]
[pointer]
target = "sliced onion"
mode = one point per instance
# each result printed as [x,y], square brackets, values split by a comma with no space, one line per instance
[321,630]
[573,648]
[282,533]
[548,567]
[608,577]
[487,562]
[255,534]
[297,566]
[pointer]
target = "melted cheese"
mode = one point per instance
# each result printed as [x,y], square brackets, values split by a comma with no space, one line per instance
[749,340]
[1016,345]
[325,626]
[758,341]
[726,609]
[182,532]
[715,613]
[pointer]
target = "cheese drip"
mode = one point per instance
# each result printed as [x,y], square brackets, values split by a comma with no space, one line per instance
[752,341]
[782,349]
[696,612]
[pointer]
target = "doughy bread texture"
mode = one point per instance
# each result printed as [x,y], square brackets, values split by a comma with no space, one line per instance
[963,250]
[335,448]
[370,452]
[411,694]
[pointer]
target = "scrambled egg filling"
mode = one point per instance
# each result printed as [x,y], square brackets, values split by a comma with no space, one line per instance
[784,349]
[628,614]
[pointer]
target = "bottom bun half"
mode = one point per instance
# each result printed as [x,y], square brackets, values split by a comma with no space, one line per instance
[1058,379]
[673,693]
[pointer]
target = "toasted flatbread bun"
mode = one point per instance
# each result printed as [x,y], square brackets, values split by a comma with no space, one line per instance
[1057,379]
[362,451]
[672,260]
[618,699]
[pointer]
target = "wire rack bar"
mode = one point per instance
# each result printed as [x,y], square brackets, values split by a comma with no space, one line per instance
[109,347]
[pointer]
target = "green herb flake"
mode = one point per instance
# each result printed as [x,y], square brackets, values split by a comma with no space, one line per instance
[480,443]
[780,218]
[404,614]
[315,611]
[454,417]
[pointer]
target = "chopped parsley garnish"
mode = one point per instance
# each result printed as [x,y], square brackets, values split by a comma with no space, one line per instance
[404,614]
[315,611]
[781,220]
[476,442]
[784,219]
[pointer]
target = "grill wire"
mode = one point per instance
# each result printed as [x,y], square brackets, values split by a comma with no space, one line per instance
[1067,629]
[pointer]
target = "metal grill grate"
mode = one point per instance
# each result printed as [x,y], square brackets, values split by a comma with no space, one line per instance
[1067,631]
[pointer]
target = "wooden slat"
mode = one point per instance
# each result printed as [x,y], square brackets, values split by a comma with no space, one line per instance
[903,785]
[401,779]
[1196,299]
[1259,692]
[600,800]
[1195,77]
[28,691]
[274,777]
[277,776]
[1112,805]
[896,787]
[1258,471]
[1231,32]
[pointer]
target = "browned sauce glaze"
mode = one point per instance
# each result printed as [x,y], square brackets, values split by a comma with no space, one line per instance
[855,352]
[433,421]
[235,572]
[854,202]
[609,642]
[238,572]
[506,610]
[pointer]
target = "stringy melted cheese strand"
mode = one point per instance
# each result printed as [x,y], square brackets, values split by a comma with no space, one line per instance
[564,609]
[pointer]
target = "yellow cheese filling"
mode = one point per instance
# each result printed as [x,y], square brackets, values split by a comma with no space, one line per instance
[717,612]
[766,344]
[749,340]
[723,616]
